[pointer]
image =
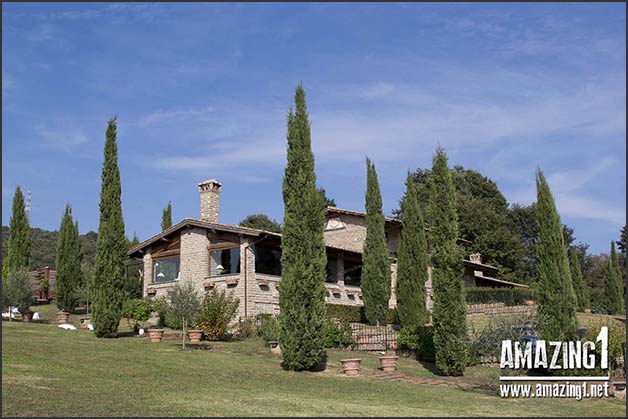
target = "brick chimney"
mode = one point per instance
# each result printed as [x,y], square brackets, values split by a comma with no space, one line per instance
[209,191]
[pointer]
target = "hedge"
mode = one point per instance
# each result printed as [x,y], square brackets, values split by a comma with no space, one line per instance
[508,296]
[355,314]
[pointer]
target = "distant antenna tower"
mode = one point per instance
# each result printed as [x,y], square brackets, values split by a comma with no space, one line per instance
[27,207]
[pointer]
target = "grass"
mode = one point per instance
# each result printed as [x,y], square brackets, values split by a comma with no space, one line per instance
[49,371]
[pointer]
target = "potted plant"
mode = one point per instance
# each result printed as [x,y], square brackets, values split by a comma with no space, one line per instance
[17,292]
[136,312]
[274,347]
[351,366]
[184,310]
[388,363]
[155,334]
[62,317]
[27,316]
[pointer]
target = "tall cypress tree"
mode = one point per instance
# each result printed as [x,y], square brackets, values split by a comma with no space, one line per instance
[68,263]
[449,312]
[556,295]
[375,281]
[19,250]
[613,285]
[579,283]
[303,258]
[166,217]
[411,261]
[111,245]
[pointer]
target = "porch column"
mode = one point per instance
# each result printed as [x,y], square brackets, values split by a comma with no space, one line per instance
[340,270]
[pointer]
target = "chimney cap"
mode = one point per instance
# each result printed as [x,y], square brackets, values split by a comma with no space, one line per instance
[209,182]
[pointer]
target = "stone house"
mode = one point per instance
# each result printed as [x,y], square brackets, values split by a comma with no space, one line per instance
[247,261]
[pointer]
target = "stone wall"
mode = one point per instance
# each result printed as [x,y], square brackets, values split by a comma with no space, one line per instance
[500,308]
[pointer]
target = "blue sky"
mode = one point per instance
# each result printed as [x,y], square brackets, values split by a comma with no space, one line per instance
[202,91]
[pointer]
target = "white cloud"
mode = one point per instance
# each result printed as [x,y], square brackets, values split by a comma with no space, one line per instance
[64,137]
[6,82]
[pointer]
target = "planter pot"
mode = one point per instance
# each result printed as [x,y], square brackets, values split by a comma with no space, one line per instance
[27,316]
[529,302]
[587,310]
[232,282]
[195,336]
[274,347]
[351,367]
[85,322]
[62,317]
[388,363]
[155,335]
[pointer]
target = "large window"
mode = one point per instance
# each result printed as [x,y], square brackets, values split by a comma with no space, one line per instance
[224,262]
[331,269]
[353,272]
[267,260]
[166,269]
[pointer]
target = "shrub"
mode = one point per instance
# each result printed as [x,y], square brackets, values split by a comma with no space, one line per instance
[508,296]
[162,308]
[419,339]
[337,334]
[217,311]
[267,326]
[246,328]
[487,342]
[184,306]
[17,290]
[355,314]
[137,311]
[616,337]
[341,312]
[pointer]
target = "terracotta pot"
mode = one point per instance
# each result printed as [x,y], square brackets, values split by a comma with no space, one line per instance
[274,347]
[351,367]
[587,310]
[388,363]
[27,316]
[155,335]
[529,302]
[62,317]
[195,335]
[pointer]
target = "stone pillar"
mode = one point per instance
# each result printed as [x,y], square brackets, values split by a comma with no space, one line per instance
[148,272]
[340,270]
[392,303]
[194,256]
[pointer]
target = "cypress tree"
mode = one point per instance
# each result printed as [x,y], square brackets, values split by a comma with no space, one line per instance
[303,258]
[556,295]
[613,285]
[411,262]
[19,246]
[111,245]
[375,281]
[449,312]
[579,283]
[166,217]
[68,263]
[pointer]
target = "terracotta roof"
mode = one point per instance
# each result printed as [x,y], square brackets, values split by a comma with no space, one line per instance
[501,281]
[193,222]
[336,210]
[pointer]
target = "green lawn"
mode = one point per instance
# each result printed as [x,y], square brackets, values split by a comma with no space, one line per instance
[54,372]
